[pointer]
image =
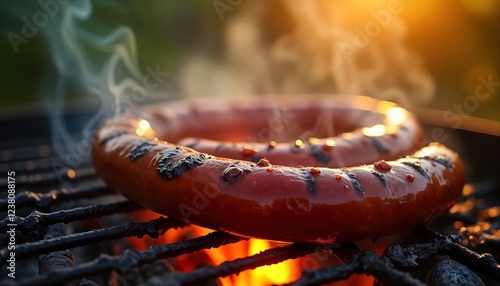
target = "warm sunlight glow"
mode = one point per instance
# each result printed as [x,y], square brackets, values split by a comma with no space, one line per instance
[298,143]
[313,140]
[330,143]
[144,124]
[383,106]
[481,7]
[144,128]
[396,115]
[376,130]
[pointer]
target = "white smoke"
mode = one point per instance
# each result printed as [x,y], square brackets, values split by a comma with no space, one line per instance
[324,52]
[101,67]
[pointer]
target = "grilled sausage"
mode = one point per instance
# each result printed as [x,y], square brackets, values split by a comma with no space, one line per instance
[275,202]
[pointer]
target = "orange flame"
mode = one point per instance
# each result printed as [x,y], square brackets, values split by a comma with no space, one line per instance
[281,273]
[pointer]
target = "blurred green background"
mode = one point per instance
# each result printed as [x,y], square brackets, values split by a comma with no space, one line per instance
[458,41]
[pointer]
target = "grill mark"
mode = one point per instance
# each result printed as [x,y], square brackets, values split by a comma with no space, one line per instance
[112,135]
[193,144]
[254,158]
[166,157]
[294,148]
[220,146]
[381,178]
[319,155]
[418,167]
[379,146]
[354,181]
[308,178]
[169,154]
[140,150]
[170,170]
[440,159]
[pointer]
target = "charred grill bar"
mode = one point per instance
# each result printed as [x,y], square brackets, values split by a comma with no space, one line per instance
[53,210]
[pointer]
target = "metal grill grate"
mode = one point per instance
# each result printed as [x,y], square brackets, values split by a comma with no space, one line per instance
[44,216]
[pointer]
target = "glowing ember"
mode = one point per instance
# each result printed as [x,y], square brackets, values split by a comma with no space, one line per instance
[71,174]
[280,273]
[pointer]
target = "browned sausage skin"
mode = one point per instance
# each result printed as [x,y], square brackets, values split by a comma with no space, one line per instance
[358,129]
[259,199]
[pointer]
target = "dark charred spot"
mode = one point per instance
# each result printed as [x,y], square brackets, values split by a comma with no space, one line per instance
[382,178]
[171,169]
[220,146]
[254,159]
[308,178]
[112,135]
[170,154]
[317,152]
[440,159]
[234,171]
[140,150]
[193,144]
[354,181]
[418,167]
[379,146]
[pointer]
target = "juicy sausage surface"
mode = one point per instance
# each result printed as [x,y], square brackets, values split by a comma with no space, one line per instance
[255,197]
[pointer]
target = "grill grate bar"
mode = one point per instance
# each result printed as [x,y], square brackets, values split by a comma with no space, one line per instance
[153,228]
[363,262]
[29,225]
[268,257]
[43,200]
[51,177]
[131,258]
[29,165]
[26,153]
